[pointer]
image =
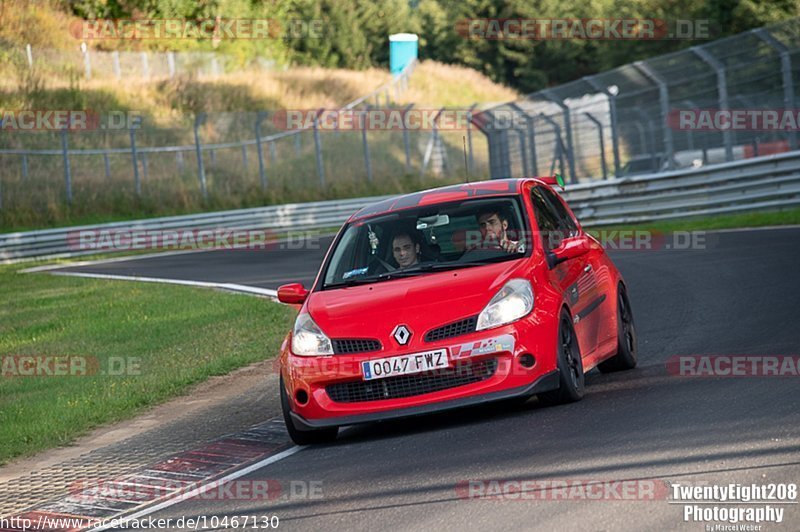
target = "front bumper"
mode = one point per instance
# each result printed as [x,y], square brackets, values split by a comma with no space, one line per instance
[545,383]
[310,376]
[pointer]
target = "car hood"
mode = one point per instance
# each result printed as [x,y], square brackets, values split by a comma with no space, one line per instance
[421,303]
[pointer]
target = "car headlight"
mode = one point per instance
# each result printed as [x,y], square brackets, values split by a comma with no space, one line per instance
[511,303]
[308,340]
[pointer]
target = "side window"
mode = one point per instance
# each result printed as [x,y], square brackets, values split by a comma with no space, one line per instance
[546,219]
[565,220]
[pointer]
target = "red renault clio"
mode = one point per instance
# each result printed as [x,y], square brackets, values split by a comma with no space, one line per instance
[451,297]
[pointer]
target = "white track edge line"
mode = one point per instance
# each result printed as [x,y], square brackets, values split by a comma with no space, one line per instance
[202,284]
[157,254]
[196,491]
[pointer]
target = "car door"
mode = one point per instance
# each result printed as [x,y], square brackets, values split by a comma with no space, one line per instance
[572,276]
[596,280]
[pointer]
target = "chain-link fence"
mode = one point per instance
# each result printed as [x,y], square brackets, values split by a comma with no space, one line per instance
[226,159]
[673,111]
[96,64]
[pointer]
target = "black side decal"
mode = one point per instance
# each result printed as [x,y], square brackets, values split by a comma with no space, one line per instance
[591,307]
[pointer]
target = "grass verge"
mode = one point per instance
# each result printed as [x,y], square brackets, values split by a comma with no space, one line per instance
[165,337]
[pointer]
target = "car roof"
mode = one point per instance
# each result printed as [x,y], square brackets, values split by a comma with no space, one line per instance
[433,196]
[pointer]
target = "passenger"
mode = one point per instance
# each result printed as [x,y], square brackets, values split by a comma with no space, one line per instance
[405,249]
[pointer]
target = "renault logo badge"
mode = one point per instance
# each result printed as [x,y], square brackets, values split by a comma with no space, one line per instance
[401,334]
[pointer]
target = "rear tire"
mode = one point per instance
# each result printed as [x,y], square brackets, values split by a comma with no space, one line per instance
[626,355]
[304,437]
[570,366]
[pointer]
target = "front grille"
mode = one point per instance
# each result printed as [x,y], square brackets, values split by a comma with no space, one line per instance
[411,385]
[343,346]
[450,330]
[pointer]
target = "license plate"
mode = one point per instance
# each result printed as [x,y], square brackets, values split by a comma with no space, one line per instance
[381,368]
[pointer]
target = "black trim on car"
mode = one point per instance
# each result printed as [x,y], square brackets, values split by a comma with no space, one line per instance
[591,307]
[545,383]
[453,329]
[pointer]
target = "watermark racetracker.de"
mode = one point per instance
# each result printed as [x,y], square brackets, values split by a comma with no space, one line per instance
[71,120]
[216,29]
[596,29]
[753,119]
[68,366]
[733,365]
[562,490]
[96,491]
[221,238]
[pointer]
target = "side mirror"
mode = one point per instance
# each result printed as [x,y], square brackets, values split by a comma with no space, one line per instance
[294,294]
[569,248]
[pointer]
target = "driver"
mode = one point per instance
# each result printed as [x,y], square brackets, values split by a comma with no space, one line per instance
[493,226]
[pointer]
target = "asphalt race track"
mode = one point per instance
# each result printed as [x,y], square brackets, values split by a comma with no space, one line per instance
[739,296]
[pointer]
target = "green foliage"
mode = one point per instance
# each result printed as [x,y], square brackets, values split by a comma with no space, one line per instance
[354,33]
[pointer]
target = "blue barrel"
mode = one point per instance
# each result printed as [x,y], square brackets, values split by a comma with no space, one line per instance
[402,50]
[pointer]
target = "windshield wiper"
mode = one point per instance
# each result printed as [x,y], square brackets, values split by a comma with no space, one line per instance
[353,282]
[372,279]
[443,266]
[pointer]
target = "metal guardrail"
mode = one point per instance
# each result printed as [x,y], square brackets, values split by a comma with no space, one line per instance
[59,243]
[752,184]
[768,182]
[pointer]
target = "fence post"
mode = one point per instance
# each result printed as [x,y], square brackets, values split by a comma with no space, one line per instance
[87,61]
[244,156]
[297,145]
[115,64]
[367,162]
[531,139]
[406,142]
[213,155]
[663,100]
[529,125]
[471,160]
[690,134]
[318,150]
[559,150]
[602,143]
[611,94]
[67,169]
[201,171]
[433,143]
[179,160]
[786,72]
[25,166]
[171,63]
[486,122]
[137,182]
[273,154]
[145,66]
[524,151]
[29,54]
[261,174]
[547,93]
[107,165]
[722,91]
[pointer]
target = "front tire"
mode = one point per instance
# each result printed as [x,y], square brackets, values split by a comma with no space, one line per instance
[626,355]
[304,437]
[570,366]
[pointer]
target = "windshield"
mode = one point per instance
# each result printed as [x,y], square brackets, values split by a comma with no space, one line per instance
[427,239]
